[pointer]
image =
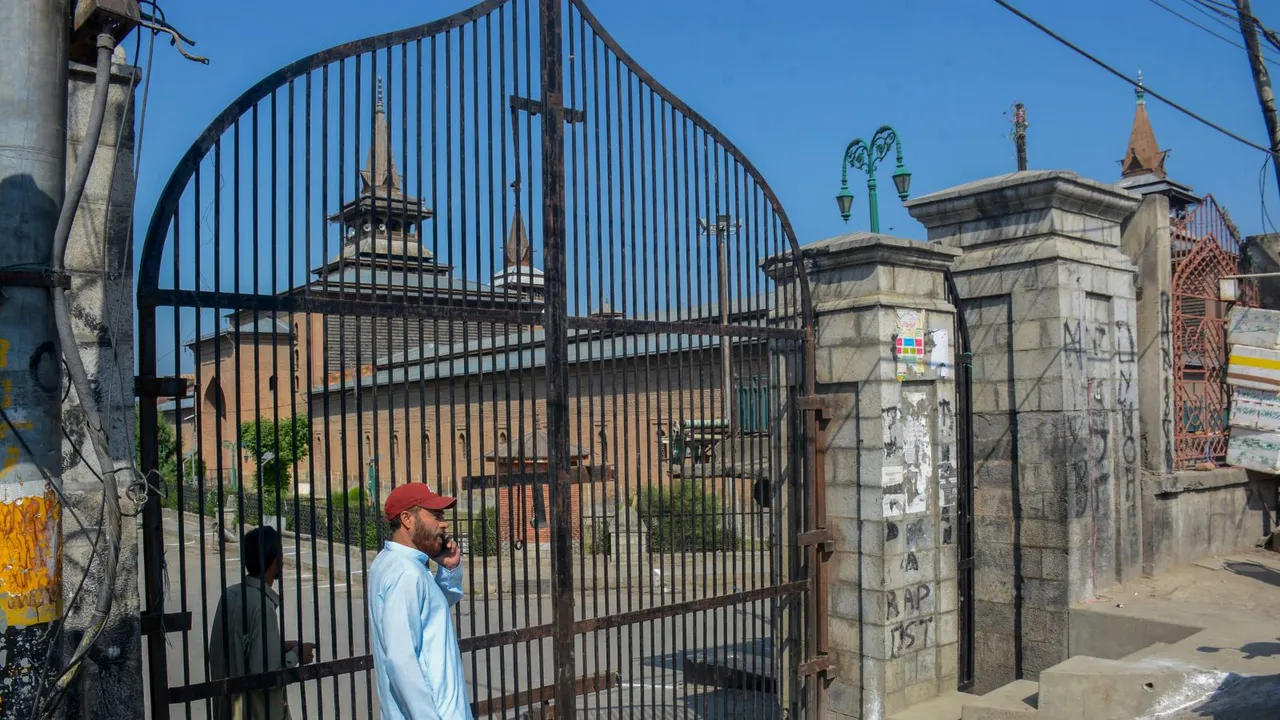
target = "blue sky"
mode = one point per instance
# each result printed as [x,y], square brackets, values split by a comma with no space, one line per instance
[792,83]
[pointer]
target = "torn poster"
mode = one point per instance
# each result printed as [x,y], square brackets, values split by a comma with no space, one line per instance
[940,355]
[917,450]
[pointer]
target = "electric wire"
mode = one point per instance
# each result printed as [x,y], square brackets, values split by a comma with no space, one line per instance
[1085,54]
[1211,31]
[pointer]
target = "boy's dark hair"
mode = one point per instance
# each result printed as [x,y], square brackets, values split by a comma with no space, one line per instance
[261,547]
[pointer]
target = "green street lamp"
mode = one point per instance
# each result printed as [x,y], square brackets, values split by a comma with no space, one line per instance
[862,155]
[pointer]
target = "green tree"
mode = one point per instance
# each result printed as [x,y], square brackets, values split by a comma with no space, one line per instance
[275,447]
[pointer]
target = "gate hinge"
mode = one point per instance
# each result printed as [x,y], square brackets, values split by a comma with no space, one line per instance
[814,404]
[819,665]
[146,386]
[821,537]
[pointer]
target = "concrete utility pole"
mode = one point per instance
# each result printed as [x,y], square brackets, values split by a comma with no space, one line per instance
[33,111]
[1261,80]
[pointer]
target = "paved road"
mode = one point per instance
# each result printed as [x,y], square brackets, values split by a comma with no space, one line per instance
[327,608]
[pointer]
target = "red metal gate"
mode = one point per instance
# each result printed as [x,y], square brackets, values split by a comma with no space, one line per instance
[1205,248]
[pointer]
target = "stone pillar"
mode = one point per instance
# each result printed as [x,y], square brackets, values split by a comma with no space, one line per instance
[100,262]
[884,360]
[1049,300]
[1146,240]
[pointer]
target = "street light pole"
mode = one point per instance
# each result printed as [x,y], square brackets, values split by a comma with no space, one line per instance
[722,228]
[861,155]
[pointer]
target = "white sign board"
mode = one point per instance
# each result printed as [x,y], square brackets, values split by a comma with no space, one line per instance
[1254,450]
[1255,410]
[1254,367]
[1254,326]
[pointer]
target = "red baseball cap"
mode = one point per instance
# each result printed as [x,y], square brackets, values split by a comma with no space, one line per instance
[411,495]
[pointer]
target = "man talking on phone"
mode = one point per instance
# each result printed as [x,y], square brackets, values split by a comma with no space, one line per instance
[415,648]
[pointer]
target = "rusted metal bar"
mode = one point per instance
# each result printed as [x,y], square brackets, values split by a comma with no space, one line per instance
[681,327]
[553,238]
[816,666]
[160,625]
[268,680]
[582,686]
[35,279]
[339,307]
[158,387]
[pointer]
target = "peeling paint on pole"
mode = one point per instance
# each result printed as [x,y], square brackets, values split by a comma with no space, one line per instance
[30,575]
[33,112]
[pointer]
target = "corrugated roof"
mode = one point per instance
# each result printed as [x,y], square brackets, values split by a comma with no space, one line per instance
[185,403]
[384,281]
[528,357]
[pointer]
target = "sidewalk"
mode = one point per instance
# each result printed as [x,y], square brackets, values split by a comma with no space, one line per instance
[687,576]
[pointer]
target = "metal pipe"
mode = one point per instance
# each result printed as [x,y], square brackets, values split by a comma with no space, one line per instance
[75,364]
[33,111]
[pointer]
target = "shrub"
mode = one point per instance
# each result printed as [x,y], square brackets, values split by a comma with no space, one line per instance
[599,538]
[684,516]
[482,533]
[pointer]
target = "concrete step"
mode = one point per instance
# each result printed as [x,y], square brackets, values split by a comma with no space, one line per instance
[1087,688]
[1019,700]
[1147,651]
[943,707]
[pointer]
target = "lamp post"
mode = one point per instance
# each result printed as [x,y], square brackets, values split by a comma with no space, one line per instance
[861,155]
[722,228]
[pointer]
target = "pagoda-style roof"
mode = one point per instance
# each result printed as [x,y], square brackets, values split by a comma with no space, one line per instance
[1143,156]
[382,194]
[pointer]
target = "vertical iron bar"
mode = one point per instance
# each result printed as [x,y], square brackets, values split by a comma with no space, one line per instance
[182,517]
[553,224]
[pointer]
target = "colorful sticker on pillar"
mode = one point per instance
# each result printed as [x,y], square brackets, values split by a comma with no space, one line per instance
[30,587]
[909,343]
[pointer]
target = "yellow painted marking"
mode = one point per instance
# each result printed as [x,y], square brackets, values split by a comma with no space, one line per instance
[11,457]
[1264,363]
[4,353]
[6,393]
[30,582]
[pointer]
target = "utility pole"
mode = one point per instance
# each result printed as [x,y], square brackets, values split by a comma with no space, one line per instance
[1020,134]
[721,229]
[33,127]
[1261,80]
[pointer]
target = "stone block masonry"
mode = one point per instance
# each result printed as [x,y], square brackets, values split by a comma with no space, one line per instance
[885,363]
[1049,300]
[100,261]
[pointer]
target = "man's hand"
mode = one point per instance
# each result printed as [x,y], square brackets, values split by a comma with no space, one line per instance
[451,558]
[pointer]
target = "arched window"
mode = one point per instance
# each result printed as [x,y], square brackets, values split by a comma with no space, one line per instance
[426,443]
[271,384]
[395,446]
[213,396]
[368,447]
[502,441]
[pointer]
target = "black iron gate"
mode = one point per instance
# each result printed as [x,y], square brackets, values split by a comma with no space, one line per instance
[492,254]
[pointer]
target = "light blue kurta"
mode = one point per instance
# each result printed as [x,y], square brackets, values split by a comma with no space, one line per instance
[416,658]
